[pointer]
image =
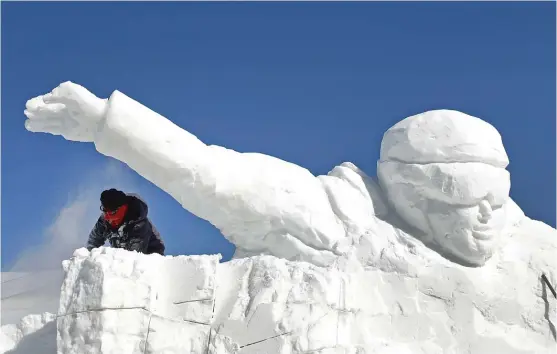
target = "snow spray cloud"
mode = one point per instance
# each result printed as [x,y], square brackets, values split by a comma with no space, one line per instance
[75,220]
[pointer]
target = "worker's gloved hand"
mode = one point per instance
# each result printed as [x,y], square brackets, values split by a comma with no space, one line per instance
[69,110]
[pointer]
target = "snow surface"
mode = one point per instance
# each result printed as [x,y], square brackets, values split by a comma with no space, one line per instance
[29,292]
[431,257]
[443,136]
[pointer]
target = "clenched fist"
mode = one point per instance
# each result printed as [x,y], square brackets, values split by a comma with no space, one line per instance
[70,110]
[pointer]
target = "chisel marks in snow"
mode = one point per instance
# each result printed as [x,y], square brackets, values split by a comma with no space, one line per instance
[546,314]
[250,289]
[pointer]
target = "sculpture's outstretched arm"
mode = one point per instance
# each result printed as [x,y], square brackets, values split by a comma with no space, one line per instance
[257,201]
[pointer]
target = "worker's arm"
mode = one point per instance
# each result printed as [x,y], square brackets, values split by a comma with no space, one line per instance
[97,237]
[139,236]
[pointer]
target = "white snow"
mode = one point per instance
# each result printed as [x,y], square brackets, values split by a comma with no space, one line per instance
[272,305]
[443,136]
[34,333]
[29,292]
[444,173]
[433,257]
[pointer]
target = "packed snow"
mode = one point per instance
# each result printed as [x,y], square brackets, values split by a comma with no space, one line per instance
[26,293]
[433,256]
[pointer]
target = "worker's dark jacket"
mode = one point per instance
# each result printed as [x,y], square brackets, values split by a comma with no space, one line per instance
[135,234]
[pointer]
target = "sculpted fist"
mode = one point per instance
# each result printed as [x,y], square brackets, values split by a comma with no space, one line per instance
[70,110]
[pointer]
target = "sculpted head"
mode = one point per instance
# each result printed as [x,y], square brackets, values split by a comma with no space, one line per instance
[444,173]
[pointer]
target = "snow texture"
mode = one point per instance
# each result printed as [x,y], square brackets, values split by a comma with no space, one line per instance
[433,256]
[30,292]
[33,334]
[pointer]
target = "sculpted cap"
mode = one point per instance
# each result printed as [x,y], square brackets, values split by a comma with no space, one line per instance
[442,136]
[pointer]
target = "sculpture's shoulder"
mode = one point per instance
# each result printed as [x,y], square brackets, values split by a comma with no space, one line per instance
[535,236]
[534,244]
[366,186]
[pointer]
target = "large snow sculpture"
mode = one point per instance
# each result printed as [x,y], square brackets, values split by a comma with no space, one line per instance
[435,258]
[432,165]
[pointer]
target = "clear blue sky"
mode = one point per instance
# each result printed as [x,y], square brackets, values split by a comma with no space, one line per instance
[312,83]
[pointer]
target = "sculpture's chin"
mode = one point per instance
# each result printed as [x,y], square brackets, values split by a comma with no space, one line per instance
[473,247]
[483,235]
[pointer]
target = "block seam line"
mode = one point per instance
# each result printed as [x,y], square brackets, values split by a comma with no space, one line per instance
[191,321]
[208,341]
[307,328]
[147,335]
[130,308]
[263,340]
[196,300]
[104,309]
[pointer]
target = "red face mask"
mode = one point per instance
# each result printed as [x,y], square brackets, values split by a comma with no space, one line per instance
[116,217]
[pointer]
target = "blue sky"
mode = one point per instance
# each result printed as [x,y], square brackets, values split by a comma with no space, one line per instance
[312,83]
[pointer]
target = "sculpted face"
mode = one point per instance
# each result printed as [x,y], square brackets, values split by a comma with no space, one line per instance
[471,234]
[444,173]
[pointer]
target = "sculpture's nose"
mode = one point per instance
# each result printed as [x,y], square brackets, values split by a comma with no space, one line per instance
[485,212]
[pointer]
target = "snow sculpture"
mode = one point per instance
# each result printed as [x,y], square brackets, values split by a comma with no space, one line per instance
[435,258]
[268,206]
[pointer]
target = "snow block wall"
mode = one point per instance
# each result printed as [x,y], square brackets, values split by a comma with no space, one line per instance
[114,301]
